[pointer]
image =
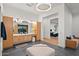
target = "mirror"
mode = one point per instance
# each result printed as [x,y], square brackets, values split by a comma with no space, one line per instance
[54,27]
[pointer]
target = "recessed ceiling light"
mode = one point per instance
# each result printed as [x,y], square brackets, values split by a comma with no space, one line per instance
[43,7]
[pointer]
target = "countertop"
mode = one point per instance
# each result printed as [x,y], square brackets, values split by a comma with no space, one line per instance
[22,34]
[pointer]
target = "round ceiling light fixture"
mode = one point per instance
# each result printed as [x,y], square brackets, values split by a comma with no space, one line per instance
[43,7]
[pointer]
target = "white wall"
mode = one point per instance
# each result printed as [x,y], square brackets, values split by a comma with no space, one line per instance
[0,14]
[75,24]
[65,24]
[68,21]
[0,19]
[61,37]
[0,32]
[13,11]
[46,28]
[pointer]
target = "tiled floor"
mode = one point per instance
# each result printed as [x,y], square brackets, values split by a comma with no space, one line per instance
[20,50]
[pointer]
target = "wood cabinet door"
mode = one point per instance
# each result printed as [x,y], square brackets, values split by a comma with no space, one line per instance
[38,34]
[20,39]
[15,39]
[8,22]
[27,38]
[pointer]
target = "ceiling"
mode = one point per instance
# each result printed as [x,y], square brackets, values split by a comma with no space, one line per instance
[30,7]
[74,7]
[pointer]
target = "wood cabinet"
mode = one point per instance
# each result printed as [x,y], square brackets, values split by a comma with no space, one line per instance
[37,30]
[8,22]
[72,43]
[21,38]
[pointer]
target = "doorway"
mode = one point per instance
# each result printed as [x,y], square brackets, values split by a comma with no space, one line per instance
[54,31]
[50,30]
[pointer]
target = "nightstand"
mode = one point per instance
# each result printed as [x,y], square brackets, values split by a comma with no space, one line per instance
[72,43]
